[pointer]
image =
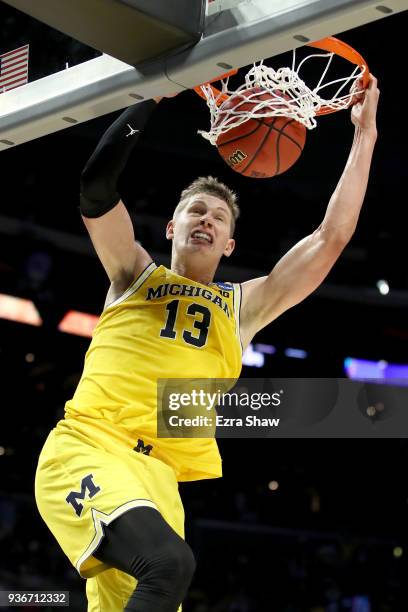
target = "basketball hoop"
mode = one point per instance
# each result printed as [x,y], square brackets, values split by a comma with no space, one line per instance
[289,95]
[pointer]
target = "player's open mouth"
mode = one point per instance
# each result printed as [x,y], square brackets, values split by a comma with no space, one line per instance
[202,237]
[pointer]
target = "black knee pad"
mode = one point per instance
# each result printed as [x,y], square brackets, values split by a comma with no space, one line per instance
[172,563]
[143,545]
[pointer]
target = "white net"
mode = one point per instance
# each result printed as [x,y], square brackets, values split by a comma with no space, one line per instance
[288,96]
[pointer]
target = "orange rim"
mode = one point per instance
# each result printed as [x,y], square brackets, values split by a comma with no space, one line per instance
[331,44]
[334,45]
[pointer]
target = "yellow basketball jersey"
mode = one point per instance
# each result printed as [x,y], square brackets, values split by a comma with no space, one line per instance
[163,326]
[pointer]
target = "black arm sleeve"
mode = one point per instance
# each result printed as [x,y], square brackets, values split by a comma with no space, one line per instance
[100,176]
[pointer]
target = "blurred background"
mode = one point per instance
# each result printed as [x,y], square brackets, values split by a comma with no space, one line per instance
[294,525]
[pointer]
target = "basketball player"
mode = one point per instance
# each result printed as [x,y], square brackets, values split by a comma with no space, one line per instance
[106,485]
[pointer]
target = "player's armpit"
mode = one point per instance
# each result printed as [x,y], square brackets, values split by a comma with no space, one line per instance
[113,238]
[296,275]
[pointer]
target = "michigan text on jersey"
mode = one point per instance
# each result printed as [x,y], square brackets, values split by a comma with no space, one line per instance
[189,290]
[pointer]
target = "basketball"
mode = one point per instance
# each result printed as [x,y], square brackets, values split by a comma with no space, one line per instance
[261,147]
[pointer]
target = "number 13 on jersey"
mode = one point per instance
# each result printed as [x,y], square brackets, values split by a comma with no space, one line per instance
[201,317]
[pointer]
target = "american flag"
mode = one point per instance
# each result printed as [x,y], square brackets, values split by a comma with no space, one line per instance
[14,68]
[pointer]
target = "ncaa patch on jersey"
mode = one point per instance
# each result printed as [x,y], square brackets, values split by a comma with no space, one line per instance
[225,286]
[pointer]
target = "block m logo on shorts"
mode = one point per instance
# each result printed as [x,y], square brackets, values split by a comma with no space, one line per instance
[87,487]
[142,448]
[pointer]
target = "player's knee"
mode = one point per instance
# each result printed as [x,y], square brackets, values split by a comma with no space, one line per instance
[164,576]
[183,562]
[173,562]
[176,573]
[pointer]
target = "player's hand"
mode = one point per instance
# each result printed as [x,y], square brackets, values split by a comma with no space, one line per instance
[364,110]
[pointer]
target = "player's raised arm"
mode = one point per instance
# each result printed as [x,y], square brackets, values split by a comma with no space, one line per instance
[104,214]
[306,265]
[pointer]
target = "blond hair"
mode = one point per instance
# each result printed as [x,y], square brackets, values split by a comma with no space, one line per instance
[214,187]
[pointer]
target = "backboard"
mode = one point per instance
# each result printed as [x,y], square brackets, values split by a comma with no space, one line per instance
[217,6]
[236,33]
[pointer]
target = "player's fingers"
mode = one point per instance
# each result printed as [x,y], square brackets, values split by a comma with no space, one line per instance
[357,85]
[373,81]
[373,86]
[373,92]
[357,91]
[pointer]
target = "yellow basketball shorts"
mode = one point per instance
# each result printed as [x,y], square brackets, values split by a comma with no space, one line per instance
[84,482]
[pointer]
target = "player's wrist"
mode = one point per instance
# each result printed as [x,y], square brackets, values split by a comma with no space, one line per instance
[367,133]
